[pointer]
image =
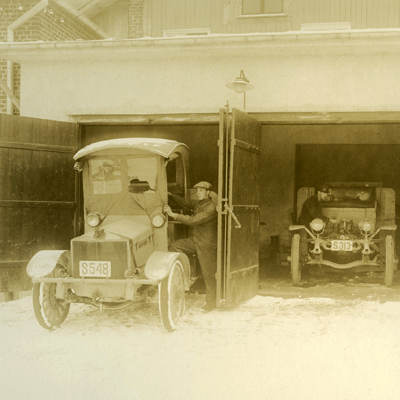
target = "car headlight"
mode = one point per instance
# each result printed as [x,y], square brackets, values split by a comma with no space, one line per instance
[317,225]
[366,225]
[158,220]
[93,220]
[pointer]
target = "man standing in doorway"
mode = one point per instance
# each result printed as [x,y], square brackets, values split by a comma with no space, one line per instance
[203,241]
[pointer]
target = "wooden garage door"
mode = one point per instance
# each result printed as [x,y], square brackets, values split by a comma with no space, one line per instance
[37,192]
[239,207]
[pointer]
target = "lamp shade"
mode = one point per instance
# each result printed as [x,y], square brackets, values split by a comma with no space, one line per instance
[240,84]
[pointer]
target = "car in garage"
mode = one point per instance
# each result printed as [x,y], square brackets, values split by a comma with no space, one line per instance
[361,239]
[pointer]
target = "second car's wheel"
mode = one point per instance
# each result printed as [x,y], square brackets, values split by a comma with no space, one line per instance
[295,259]
[172,297]
[50,312]
[389,260]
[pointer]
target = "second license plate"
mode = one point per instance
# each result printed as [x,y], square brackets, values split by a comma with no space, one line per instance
[95,269]
[342,245]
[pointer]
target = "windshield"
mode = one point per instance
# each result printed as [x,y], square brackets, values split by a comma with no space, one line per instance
[123,184]
[107,178]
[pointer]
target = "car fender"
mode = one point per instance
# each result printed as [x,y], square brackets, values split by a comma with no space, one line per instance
[44,262]
[160,263]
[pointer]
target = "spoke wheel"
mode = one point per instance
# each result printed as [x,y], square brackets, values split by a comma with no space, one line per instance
[172,298]
[295,259]
[50,312]
[389,260]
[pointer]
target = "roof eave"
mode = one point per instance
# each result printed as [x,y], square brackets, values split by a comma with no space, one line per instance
[372,38]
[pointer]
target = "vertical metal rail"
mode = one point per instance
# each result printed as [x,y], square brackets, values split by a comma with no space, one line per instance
[223,144]
[228,219]
[226,191]
[229,192]
[220,251]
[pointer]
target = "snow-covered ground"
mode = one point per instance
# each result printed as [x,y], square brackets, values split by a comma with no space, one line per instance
[267,348]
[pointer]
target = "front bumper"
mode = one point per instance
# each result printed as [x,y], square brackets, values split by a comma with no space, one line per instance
[366,263]
[97,288]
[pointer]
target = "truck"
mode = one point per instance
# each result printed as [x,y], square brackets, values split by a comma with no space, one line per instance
[123,251]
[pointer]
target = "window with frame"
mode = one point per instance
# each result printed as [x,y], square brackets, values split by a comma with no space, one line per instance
[254,7]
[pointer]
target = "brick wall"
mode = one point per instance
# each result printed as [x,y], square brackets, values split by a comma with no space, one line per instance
[51,24]
[135,29]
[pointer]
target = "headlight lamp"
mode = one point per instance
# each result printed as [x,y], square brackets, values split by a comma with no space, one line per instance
[317,225]
[93,220]
[158,220]
[366,225]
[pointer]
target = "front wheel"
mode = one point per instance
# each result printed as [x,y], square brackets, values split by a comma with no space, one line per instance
[50,312]
[172,297]
[389,260]
[295,259]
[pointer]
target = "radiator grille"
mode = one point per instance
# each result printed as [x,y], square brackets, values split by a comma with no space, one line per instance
[115,251]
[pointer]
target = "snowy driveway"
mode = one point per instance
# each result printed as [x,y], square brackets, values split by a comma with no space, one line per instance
[268,348]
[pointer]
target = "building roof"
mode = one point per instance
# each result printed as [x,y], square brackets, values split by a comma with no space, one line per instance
[162,147]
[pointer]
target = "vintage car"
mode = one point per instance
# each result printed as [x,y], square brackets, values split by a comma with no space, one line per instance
[123,251]
[361,239]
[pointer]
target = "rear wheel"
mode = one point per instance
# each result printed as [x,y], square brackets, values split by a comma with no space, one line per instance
[50,312]
[389,260]
[295,259]
[172,297]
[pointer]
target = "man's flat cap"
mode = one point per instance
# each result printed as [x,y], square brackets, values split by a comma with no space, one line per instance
[323,189]
[203,184]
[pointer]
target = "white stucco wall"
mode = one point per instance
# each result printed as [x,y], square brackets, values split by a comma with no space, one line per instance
[323,75]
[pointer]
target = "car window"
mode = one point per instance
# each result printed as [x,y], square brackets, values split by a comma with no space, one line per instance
[142,174]
[106,175]
[176,175]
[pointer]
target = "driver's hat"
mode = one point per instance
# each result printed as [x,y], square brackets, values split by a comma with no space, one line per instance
[323,189]
[203,184]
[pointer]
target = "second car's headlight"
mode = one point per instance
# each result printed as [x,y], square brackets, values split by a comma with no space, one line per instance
[366,225]
[158,220]
[93,220]
[317,225]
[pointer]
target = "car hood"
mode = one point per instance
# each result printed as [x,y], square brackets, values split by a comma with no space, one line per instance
[124,228]
[129,229]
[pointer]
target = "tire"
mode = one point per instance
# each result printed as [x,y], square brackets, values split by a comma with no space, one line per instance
[172,297]
[50,312]
[389,260]
[295,259]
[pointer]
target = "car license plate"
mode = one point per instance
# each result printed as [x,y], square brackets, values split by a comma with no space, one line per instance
[342,245]
[95,269]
